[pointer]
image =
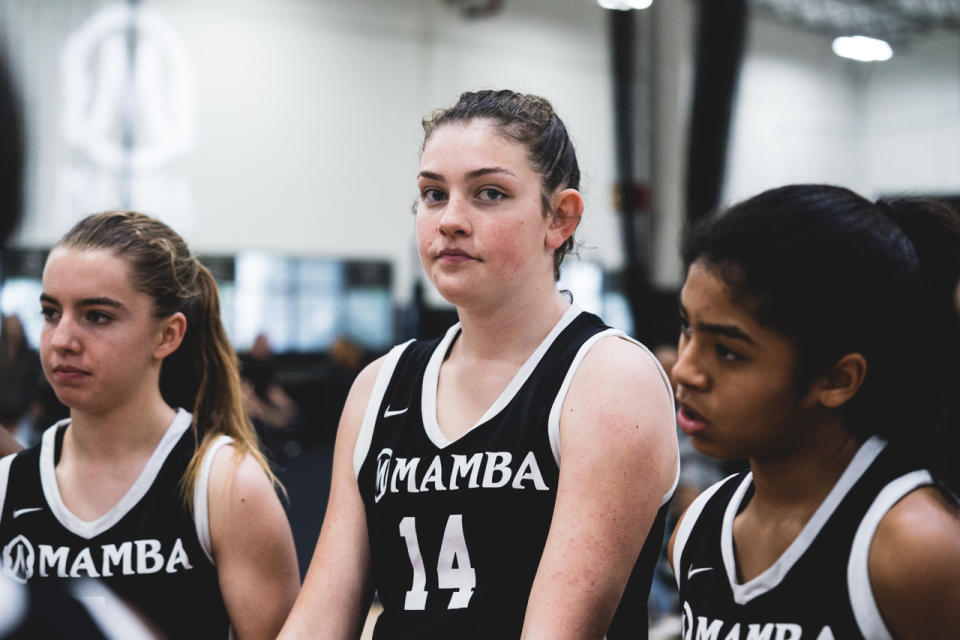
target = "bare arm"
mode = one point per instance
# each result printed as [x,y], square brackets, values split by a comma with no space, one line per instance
[252,546]
[914,567]
[8,444]
[336,593]
[618,451]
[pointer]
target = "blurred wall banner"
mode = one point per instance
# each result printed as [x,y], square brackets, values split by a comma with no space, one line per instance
[128,114]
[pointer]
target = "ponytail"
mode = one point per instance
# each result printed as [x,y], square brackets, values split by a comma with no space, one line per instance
[218,407]
[203,373]
[934,231]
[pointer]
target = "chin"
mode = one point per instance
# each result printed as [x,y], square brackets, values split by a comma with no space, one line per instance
[716,450]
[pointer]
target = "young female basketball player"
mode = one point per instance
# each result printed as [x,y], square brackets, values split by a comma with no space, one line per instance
[176,512]
[507,479]
[819,341]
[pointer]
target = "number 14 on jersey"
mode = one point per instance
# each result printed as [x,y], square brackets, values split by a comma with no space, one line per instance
[453,565]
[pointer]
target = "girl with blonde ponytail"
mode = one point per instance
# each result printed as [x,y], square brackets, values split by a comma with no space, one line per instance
[155,484]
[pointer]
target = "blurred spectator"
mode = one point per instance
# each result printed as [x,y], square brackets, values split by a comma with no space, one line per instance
[273,411]
[21,378]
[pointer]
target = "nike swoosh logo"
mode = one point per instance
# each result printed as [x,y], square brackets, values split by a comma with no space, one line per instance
[19,512]
[389,414]
[692,572]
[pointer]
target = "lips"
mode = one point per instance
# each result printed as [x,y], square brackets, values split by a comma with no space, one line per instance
[454,255]
[66,373]
[689,420]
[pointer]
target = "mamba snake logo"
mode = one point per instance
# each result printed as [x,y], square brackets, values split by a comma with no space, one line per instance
[383,472]
[18,558]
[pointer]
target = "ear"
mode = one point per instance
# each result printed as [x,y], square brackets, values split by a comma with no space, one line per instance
[841,382]
[172,330]
[567,207]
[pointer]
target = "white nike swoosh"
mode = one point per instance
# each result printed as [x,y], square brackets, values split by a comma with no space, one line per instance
[19,512]
[388,413]
[692,572]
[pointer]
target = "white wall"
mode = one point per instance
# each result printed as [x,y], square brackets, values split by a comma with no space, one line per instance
[805,115]
[911,140]
[307,117]
[795,117]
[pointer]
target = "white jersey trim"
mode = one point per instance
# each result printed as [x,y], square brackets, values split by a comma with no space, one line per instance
[773,575]
[431,379]
[13,601]
[553,422]
[5,463]
[365,436]
[89,528]
[201,496]
[686,524]
[864,605]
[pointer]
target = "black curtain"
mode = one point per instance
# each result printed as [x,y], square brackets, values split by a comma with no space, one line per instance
[11,154]
[720,41]
[636,281]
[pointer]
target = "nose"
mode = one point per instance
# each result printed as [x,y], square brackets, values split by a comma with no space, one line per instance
[62,335]
[687,371]
[455,219]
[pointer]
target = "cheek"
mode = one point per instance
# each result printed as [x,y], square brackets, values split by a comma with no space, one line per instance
[516,244]
[423,232]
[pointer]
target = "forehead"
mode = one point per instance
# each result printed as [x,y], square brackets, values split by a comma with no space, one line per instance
[460,145]
[86,273]
[707,295]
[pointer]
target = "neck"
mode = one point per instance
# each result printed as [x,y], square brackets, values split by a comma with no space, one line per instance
[801,479]
[506,329]
[120,432]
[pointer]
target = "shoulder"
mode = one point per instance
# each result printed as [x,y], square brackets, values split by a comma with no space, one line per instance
[914,563]
[238,480]
[914,539]
[244,508]
[619,405]
[619,367]
[621,355]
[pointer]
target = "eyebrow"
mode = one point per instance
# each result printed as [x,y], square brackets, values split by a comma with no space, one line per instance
[101,301]
[476,173]
[727,330]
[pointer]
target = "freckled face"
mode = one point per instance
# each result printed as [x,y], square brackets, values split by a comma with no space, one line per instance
[99,335]
[735,378]
[481,229]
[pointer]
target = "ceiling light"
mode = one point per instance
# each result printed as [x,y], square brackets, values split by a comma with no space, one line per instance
[862,48]
[624,5]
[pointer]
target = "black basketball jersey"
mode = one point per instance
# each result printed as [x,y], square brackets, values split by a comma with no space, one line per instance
[819,589]
[457,529]
[149,548]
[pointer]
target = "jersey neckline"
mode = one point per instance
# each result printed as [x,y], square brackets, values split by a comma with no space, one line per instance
[431,379]
[775,573]
[90,528]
